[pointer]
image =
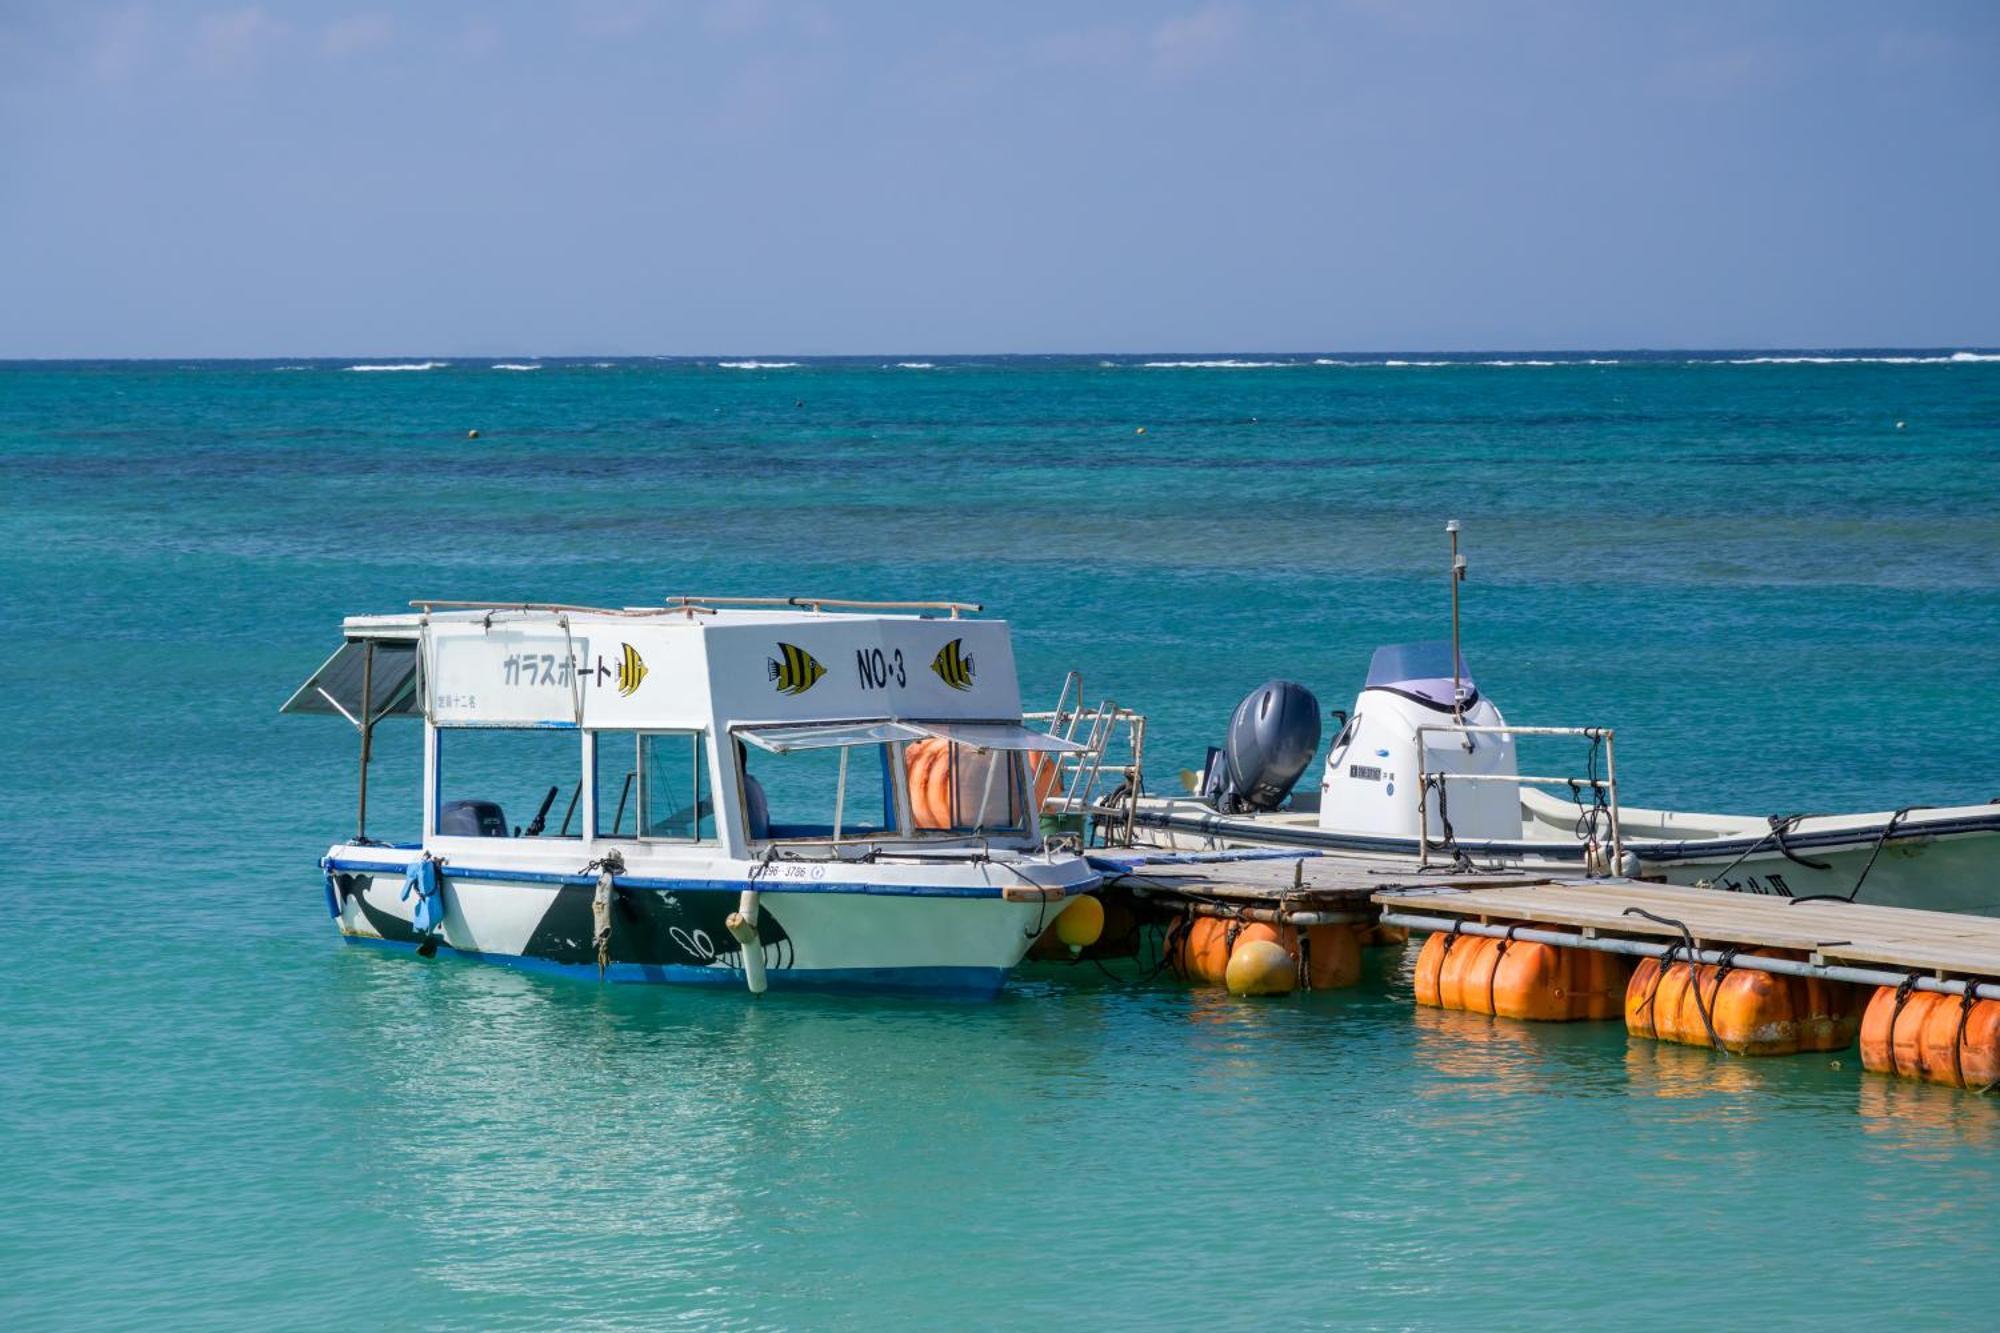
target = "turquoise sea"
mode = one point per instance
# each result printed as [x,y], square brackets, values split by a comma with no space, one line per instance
[1777,576]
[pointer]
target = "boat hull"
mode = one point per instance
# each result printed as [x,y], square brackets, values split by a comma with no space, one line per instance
[1942,860]
[920,939]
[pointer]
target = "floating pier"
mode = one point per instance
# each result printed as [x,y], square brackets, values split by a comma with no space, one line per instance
[1741,972]
[1744,973]
[1218,910]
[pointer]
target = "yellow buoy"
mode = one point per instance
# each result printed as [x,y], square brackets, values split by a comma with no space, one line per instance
[1140,431]
[472,435]
[1260,967]
[1080,924]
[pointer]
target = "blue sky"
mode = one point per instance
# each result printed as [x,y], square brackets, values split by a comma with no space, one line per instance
[615,176]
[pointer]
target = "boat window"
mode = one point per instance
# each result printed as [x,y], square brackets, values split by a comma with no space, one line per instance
[959,789]
[818,794]
[653,784]
[509,782]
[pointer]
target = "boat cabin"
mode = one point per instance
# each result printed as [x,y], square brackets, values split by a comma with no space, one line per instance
[733,731]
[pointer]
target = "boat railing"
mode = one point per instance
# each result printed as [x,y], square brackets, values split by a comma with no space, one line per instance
[1603,790]
[1100,782]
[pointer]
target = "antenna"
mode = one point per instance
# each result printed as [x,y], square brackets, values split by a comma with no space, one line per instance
[1457,577]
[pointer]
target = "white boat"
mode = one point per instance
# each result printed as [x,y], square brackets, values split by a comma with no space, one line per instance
[1424,767]
[717,791]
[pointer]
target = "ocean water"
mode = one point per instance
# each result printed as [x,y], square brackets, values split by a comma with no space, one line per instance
[1777,576]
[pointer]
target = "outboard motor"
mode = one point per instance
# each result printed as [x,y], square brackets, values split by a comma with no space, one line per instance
[1272,737]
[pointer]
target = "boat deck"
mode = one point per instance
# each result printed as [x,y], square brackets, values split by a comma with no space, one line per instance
[1905,940]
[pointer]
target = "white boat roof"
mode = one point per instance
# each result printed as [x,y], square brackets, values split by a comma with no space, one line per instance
[696,662]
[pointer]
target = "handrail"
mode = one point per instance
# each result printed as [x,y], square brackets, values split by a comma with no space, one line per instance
[1608,784]
[1079,772]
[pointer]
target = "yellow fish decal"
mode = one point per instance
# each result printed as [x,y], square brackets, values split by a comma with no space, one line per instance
[954,666]
[794,669]
[631,670]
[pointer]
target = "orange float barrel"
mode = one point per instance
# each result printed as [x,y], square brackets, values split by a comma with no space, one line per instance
[1533,981]
[1892,1031]
[1430,962]
[1642,994]
[1946,1039]
[1202,949]
[1752,1012]
[1467,969]
[1603,985]
[1333,957]
[1519,978]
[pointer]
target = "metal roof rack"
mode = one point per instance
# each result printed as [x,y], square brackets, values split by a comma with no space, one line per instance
[821,603]
[690,606]
[431,604]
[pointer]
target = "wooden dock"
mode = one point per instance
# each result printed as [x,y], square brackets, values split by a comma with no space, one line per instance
[1941,951]
[1280,887]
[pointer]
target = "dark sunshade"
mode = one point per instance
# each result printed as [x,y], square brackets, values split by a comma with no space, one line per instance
[336,687]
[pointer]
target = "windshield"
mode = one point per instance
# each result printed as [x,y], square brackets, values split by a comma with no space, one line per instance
[1422,670]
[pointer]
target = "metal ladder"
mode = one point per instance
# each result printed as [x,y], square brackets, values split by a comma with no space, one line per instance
[1089,777]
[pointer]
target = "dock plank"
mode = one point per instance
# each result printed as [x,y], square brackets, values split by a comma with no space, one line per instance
[1945,943]
[1271,878]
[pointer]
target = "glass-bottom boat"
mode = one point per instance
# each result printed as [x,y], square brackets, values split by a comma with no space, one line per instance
[740,792]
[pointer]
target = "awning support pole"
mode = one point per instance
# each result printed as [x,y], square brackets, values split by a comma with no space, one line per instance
[367,736]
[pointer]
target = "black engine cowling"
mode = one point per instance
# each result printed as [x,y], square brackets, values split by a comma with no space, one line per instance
[1273,735]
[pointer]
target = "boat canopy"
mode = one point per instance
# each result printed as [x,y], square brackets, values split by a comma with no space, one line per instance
[1421,671]
[1000,736]
[829,735]
[974,735]
[336,688]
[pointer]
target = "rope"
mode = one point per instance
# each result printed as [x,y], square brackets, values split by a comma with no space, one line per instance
[1694,969]
[1459,860]
[1903,993]
[1965,1003]
[1779,828]
[1493,973]
[1887,830]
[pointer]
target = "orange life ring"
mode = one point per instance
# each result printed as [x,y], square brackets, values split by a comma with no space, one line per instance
[918,759]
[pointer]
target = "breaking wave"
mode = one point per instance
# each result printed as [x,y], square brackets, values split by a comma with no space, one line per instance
[1215,365]
[916,365]
[515,365]
[758,365]
[406,365]
[1955,358]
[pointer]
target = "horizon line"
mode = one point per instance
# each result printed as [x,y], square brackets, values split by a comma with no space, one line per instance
[1760,349]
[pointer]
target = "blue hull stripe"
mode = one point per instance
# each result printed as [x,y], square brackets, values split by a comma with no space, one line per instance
[959,982]
[454,872]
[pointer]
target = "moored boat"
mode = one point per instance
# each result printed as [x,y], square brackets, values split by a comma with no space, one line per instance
[774,792]
[1424,767]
